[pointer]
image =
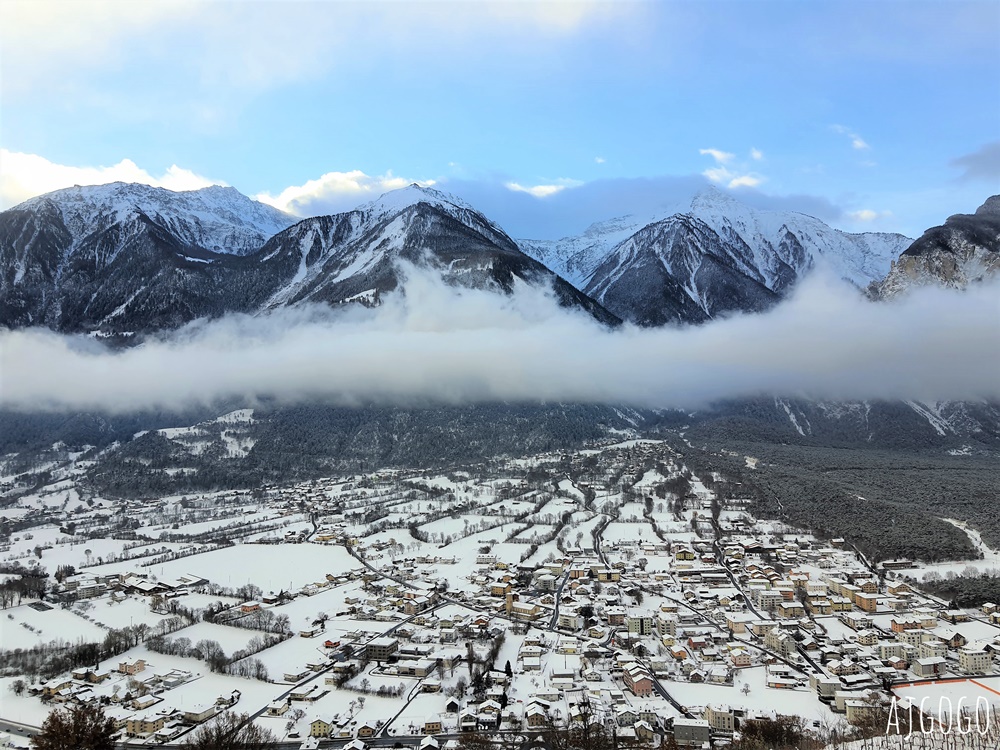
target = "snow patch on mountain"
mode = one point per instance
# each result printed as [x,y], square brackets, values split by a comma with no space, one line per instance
[219,219]
[931,414]
[707,256]
[774,237]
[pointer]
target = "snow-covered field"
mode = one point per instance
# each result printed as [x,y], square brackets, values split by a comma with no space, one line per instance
[24,627]
[271,566]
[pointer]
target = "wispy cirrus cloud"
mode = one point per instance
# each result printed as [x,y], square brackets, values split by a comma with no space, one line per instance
[24,176]
[857,142]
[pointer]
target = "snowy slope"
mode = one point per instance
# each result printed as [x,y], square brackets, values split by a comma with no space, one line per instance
[124,259]
[709,255]
[219,219]
[128,258]
[355,256]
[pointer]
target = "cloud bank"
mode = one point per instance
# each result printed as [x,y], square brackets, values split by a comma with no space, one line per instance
[436,344]
[24,176]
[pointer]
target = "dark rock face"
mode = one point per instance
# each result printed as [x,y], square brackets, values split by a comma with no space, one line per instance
[962,251]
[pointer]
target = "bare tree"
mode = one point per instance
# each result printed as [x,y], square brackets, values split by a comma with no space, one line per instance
[80,727]
[231,731]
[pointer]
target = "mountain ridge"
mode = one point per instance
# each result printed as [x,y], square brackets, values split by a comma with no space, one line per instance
[708,240]
[124,258]
[111,260]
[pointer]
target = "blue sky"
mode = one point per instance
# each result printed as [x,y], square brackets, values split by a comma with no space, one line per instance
[870,115]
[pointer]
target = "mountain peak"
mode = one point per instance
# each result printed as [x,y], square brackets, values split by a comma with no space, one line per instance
[413,194]
[990,208]
[217,218]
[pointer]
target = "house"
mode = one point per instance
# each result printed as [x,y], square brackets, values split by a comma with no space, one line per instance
[277,708]
[570,619]
[367,730]
[131,667]
[952,638]
[640,624]
[900,624]
[432,725]
[739,658]
[637,679]
[720,718]
[525,611]
[972,660]
[737,622]
[89,675]
[500,588]
[694,732]
[781,641]
[305,693]
[929,667]
[626,717]
[536,715]
[467,721]
[791,610]
[142,726]
[868,602]
[320,728]
[201,712]
[380,649]
[858,710]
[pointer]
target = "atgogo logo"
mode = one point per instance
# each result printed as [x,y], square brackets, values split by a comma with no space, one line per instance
[961,717]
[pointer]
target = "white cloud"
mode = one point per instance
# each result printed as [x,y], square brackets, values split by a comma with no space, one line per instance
[756,154]
[335,191]
[545,190]
[24,176]
[45,40]
[255,46]
[745,180]
[867,215]
[721,157]
[435,343]
[600,159]
[857,142]
[736,177]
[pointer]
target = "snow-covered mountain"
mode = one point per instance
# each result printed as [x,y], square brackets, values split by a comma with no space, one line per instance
[355,256]
[962,251]
[708,256]
[128,258]
[219,219]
